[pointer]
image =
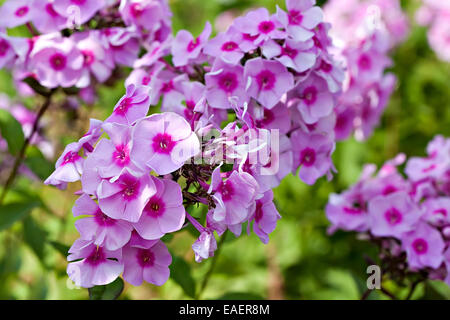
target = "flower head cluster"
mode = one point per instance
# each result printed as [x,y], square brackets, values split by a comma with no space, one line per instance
[364,32]
[79,43]
[240,111]
[436,15]
[408,217]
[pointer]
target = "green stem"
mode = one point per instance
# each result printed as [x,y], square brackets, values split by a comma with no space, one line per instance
[21,156]
[211,266]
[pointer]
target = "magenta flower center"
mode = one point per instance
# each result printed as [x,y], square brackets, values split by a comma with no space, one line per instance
[295,17]
[70,157]
[89,57]
[122,155]
[79,2]
[290,52]
[145,258]
[136,10]
[249,37]
[146,80]
[310,95]
[229,46]
[393,216]
[266,80]
[266,27]
[325,66]
[430,168]
[189,110]
[441,211]
[96,257]
[364,62]
[193,44]
[258,211]
[163,143]
[353,211]
[168,86]
[228,82]
[226,190]
[58,61]
[308,157]
[389,189]
[420,246]
[4,46]
[50,10]
[123,106]
[155,207]
[103,220]
[130,188]
[22,11]
[267,118]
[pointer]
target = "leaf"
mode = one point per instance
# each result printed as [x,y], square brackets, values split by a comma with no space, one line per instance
[110,291]
[240,296]
[436,290]
[61,248]
[37,163]
[34,236]
[11,131]
[180,272]
[12,212]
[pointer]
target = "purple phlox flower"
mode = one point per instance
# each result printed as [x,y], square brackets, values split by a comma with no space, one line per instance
[169,86]
[164,212]
[194,93]
[393,214]
[345,118]
[205,246]
[132,106]
[312,153]
[300,19]
[269,81]
[144,76]
[78,10]
[439,36]
[145,14]
[424,247]
[164,142]
[16,12]
[126,196]
[149,264]
[314,100]
[68,167]
[56,61]
[90,138]
[102,230]
[234,197]
[292,54]
[437,211]
[122,44]
[223,83]
[264,216]
[97,60]
[261,24]
[347,211]
[155,52]
[332,73]
[92,265]
[185,47]
[47,20]
[276,118]
[225,47]
[7,52]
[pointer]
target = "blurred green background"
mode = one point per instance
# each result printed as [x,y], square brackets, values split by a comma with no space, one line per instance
[301,261]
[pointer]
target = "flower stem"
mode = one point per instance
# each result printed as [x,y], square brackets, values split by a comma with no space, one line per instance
[211,266]
[21,156]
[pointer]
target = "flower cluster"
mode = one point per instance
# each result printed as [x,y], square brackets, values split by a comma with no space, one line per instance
[436,15]
[407,217]
[240,111]
[364,32]
[78,43]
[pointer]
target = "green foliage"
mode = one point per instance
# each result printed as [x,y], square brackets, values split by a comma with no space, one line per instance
[13,212]
[11,131]
[108,292]
[180,272]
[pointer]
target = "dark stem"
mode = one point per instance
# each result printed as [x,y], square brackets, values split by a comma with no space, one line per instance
[413,288]
[366,294]
[21,156]
[212,265]
[389,294]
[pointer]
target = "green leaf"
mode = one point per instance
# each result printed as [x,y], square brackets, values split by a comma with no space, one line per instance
[240,296]
[11,131]
[34,236]
[180,272]
[61,248]
[37,163]
[12,212]
[110,291]
[436,290]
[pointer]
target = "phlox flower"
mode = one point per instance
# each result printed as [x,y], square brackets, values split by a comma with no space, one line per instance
[79,10]
[225,47]
[16,12]
[265,216]
[205,246]
[68,167]
[48,20]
